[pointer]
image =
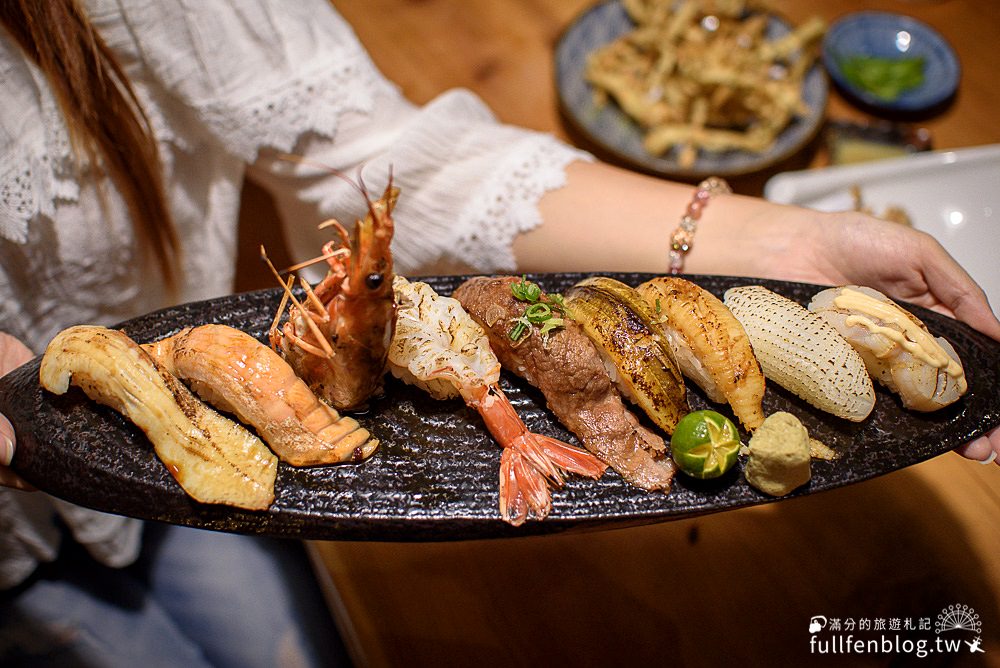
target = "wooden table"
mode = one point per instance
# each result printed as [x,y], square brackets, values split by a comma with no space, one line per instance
[737,588]
[502,49]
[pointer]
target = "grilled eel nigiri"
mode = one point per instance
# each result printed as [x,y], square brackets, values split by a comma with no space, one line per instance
[214,459]
[569,371]
[639,357]
[710,344]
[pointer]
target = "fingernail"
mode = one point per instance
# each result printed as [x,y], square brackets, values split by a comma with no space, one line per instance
[6,451]
[990,459]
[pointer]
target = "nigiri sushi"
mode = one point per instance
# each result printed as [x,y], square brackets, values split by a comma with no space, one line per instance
[896,346]
[639,360]
[709,343]
[803,353]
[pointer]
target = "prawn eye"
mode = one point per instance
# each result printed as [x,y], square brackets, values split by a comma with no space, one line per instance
[374,281]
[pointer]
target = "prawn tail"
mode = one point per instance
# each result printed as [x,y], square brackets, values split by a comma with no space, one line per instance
[569,458]
[550,456]
[523,489]
[531,463]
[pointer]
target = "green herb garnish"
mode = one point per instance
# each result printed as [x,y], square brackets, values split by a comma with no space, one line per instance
[550,325]
[543,311]
[525,290]
[885,78]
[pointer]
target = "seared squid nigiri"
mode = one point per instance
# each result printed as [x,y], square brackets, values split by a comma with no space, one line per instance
[710,345]
[803,353]
[896,346]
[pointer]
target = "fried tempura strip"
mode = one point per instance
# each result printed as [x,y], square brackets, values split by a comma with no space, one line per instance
[682,56]
[213,459]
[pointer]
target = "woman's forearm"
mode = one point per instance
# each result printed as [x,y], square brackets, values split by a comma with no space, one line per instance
[610,219]
[604,219]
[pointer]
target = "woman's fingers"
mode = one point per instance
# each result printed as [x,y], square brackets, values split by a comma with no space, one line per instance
[985,449]
[7,477]
[13,354]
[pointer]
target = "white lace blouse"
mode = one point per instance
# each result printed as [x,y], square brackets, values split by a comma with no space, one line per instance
[229,86]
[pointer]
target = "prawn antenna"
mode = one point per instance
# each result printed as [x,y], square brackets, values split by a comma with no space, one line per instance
[358,183]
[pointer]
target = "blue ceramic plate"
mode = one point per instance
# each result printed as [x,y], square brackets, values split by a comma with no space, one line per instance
[610,129]
[885,35]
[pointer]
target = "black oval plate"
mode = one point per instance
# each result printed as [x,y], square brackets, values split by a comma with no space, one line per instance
[435,475]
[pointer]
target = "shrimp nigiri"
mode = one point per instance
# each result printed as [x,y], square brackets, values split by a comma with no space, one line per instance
[438,347]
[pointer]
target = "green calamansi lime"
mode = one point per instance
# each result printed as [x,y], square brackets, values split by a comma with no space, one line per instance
[705,444]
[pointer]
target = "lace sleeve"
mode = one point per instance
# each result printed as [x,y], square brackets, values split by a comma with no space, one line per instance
[33,155]
[270,78]
[468,184]
[255,73]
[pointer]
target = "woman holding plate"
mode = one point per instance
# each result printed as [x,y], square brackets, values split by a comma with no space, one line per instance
[127,131]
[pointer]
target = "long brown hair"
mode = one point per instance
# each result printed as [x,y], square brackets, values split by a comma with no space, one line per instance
[102,112]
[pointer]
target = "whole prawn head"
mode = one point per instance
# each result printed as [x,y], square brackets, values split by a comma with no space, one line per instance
[336,336]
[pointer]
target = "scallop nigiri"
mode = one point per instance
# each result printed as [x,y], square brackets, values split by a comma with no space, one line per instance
[898,349]
[710,345]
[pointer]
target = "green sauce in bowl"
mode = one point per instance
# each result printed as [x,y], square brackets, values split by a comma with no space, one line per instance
[885,78]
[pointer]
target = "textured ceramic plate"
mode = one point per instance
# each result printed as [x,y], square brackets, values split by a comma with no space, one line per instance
[435,474]
[612,131]
[892,36]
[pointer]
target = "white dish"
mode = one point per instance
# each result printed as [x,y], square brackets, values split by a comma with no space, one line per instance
[952,195]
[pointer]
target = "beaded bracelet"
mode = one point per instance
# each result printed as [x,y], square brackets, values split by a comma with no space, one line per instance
[683,236]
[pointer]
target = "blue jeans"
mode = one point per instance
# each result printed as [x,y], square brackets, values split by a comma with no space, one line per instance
[195,598]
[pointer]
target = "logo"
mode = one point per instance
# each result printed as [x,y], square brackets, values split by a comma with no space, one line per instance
[961,618]
[956,630]
[958,618]
[817,624]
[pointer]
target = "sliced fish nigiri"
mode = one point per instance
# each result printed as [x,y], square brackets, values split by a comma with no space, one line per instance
[709,343]
[641,362]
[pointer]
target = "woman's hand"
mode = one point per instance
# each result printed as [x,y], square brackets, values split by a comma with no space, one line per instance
[904,263]
[13,354]
[907,264]
[609,219]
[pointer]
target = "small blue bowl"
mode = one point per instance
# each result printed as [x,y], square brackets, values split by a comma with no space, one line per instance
[893,36]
